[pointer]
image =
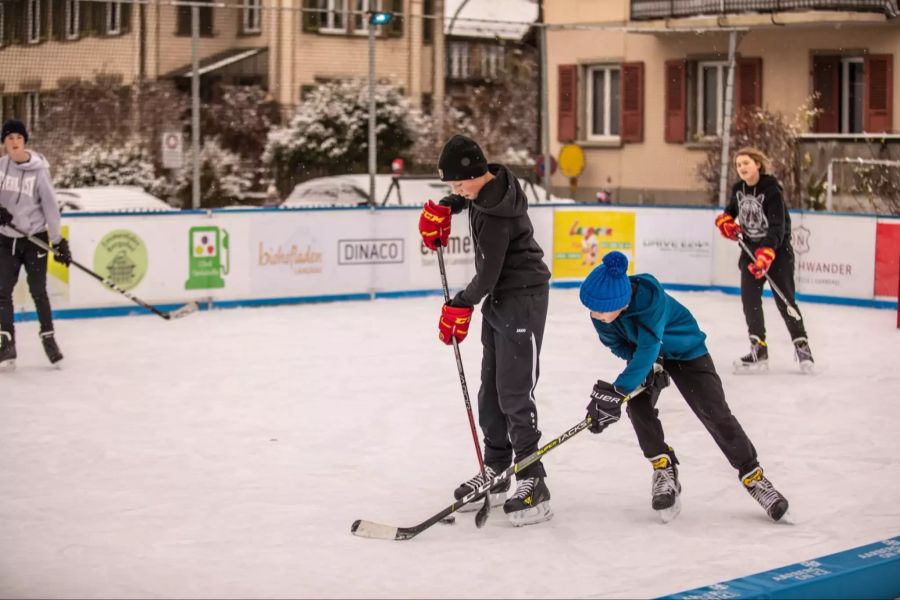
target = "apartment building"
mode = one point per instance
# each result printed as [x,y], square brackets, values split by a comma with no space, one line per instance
[640,84]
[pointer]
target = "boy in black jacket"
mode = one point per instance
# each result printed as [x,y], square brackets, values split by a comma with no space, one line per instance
[765,224]
[514,281]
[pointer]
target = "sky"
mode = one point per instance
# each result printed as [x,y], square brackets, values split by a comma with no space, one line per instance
[226,455]
[489,18]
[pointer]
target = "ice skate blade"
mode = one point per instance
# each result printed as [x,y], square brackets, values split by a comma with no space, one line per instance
[8,365]
[497,500]
[667,515]
[786,519]
[807,368]
[741,368]
[531,516]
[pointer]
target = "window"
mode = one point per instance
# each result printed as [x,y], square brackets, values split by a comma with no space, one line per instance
[32,110]
[360,19]
[334,16]
[459,60]
[252,17]
[603,101]
[33,21]
[206,20]
[492,61]
[73,19]
[113,18]
[851,100]
[428,22]
[711,78]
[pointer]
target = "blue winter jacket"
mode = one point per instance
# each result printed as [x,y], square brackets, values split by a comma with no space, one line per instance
[653,323]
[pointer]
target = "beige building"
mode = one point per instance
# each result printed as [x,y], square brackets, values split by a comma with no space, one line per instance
[283,45]
[642,88]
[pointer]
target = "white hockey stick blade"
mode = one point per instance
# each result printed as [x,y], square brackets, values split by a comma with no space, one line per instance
[373,530]
[183,311]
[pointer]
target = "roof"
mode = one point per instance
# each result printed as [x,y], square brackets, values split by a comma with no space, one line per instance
[217,61]
[507,19]
[109,198]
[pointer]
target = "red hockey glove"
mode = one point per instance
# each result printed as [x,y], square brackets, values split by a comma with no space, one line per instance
[764,258]
[727,226]
[454,323]
[434,224]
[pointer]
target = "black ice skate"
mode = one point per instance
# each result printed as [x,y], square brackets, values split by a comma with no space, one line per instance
[756,360]
[530,504]
[803,354]
[666,488]
[775,505]
[7,352]
[50,347]
[498,492]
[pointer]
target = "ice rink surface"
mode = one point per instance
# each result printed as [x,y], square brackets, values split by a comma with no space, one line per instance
[225,455]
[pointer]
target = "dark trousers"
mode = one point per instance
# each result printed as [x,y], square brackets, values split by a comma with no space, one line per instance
[14,254]
[782,274]
[701,387]
[511,336]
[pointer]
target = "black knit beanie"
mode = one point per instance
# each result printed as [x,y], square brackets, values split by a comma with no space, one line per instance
[13,126]
[460,159]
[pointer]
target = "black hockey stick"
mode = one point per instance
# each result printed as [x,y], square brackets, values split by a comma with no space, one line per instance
[370,529]
[793,312]
[175,314]
[485,511]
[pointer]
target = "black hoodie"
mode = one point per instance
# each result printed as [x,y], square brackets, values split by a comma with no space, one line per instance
[508,260]
[761,212]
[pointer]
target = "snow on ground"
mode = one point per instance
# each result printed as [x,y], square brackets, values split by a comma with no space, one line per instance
[226,455]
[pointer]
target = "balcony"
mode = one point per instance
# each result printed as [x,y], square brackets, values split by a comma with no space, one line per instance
[642,10]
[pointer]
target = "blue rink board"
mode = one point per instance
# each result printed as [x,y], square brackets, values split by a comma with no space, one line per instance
[871,571]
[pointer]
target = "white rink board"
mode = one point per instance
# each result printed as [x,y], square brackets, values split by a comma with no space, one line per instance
[295,254]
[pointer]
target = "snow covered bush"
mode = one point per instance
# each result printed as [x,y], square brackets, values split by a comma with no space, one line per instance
[223,179]
[126,163]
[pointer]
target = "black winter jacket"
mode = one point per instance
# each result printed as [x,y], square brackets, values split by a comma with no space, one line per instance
[508,260]
[761,212]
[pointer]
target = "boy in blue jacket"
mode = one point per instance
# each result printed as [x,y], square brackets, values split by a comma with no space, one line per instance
[659,338]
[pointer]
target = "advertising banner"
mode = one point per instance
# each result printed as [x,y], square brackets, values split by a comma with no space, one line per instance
[582,237]
[887,258]
[676,246]
[834,256]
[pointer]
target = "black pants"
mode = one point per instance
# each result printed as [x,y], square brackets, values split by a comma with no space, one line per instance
[782,274]
[511,335]
[15,253]
[701,387]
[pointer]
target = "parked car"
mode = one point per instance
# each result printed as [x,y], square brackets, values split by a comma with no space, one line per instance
[109,198]
[353,190]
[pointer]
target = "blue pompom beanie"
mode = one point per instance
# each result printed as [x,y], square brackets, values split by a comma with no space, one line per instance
[607,288]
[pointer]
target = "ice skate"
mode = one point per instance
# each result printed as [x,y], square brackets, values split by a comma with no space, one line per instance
[498,492]
[762,490]
[803,354]
[7,352]
[666,500]
[530,503]
[756,360]
[50,348]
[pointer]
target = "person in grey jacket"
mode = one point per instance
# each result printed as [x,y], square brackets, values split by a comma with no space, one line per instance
[27,205]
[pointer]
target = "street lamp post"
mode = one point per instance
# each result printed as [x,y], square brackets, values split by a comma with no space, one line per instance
[375,18]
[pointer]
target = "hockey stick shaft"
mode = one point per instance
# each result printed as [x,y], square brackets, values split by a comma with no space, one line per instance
[371,529]
[792,311]
[44,246]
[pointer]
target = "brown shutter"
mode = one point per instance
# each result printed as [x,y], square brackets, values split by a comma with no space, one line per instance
[125,7]
[632,95]
[311,16]
[879,95]
[676,101]
[58,11]
[826,83]
[395,27]
[46,21]
[567,121]
[748,89]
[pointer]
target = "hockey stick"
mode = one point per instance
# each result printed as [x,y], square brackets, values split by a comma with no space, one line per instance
[793,312]
[175,314]
[485,511]
[370,529]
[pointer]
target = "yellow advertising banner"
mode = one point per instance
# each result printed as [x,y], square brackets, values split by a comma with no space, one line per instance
[582,237]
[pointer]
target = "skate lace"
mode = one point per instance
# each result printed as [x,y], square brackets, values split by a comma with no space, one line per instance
[663,481]
[525,488]
[479,479]
[803,352]
[764,493]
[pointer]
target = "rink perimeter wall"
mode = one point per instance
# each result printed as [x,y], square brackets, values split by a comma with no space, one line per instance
[273,256]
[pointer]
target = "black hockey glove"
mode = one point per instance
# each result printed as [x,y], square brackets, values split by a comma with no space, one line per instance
[5,217]
[605,407]
[61,252]
[658,378]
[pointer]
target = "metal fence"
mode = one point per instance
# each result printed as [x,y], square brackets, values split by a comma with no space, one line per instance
[661,9]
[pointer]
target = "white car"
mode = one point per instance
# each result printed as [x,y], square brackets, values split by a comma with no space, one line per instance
[353,190]
[109,198]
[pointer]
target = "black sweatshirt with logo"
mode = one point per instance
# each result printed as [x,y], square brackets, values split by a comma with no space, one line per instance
[761,212]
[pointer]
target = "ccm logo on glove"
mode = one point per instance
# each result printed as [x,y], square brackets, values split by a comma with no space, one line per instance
[434,224]
[454,323]
[727,226]
[764,258]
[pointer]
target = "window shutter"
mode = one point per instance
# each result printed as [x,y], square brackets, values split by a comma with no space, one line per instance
[567,121]
[311,17]
[676,101]
[632,95]
[395,27]
[125,7]
[879,74]
[46,20]
[748,88]
[98,16]
[826,83]
[14,22]
[59,19]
